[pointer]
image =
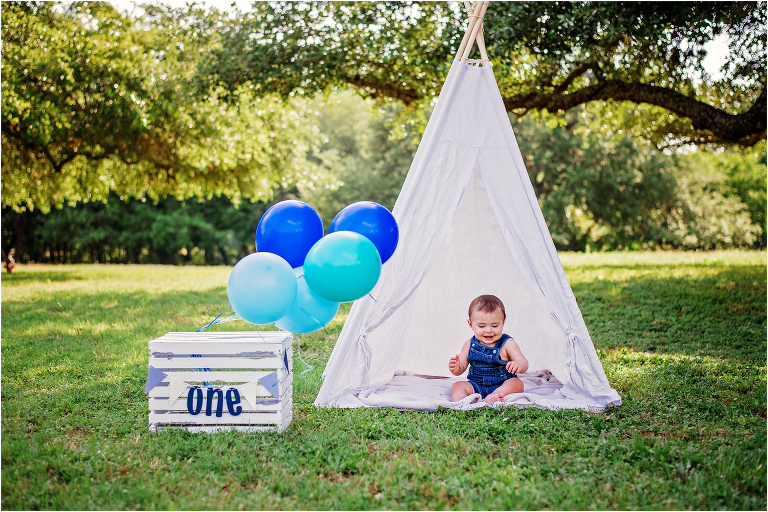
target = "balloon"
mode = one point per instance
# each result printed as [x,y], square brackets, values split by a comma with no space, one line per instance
[309,311]
[261,288]
[289,229]
[371,220]
[342,266]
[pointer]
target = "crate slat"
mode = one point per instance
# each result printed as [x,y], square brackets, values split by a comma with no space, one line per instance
[279,407]
[180,405]
[219,363]
[210,429]
[222,376]
[215,348]
[245,418]
[160,403]
[163,390]
[247,335]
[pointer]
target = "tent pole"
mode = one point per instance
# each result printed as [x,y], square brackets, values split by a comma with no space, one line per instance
[481,45]
[475,30]
[472,22]
[480,38]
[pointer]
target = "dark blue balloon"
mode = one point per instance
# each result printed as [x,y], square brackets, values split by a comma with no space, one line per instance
[289,229]
[371,220]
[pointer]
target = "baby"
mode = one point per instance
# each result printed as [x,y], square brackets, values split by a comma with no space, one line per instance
[493,357]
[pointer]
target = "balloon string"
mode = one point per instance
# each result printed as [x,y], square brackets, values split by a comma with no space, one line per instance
[374,300]
[309,366]
[227,318]
[214,321]
[318,322]
[202,369]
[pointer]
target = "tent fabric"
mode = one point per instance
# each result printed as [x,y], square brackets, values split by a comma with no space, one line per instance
[469,224]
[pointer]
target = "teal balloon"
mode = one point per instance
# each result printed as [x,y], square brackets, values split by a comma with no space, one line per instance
[261,288]
[309,311]
[342,266]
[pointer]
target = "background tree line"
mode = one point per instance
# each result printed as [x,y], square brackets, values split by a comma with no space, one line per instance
[165,137]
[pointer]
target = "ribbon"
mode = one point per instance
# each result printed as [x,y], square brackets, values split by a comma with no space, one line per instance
[217,321]
[271,383]
[248,392]
[175,389]
[154,377]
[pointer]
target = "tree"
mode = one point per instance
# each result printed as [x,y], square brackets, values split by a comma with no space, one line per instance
[95,102]
[548,56]
[610,190]
[357,157]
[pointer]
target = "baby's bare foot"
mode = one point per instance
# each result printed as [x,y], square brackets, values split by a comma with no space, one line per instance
[492,398]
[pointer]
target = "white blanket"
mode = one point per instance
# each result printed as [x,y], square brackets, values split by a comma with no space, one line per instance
[419,392]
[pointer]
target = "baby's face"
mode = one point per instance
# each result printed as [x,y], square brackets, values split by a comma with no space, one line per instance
[488,327]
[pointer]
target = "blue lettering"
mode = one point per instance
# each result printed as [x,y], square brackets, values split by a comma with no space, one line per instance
[219,401]
[195,408]
[233,398]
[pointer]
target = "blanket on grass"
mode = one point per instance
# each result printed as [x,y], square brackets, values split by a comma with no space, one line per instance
[421,392]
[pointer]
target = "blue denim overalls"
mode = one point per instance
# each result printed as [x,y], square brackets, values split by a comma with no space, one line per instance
[487,371]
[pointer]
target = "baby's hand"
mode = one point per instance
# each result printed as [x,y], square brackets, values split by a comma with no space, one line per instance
[453,364]
[513,367]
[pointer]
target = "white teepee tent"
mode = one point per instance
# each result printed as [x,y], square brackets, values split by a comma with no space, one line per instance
[469,225]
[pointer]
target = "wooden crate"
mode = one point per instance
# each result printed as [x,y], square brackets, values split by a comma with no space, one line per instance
[234,360]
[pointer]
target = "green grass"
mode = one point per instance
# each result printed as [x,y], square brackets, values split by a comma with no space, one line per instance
[682,337]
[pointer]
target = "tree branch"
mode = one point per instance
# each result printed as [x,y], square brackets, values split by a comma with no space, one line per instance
[407,96]
[746,128]
[585,66]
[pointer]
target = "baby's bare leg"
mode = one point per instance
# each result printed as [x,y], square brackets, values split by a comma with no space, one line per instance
[461,390]
[513,385]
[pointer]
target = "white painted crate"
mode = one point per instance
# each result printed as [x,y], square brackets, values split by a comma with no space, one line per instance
[234,358]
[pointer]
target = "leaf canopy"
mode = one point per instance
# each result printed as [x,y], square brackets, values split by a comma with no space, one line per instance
[548,56]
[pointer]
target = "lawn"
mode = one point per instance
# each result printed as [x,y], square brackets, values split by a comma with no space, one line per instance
[682,337]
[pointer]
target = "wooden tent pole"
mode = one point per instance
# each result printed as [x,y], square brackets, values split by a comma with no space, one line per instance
[481,45]
[472,22]
[480,38]
[475,29]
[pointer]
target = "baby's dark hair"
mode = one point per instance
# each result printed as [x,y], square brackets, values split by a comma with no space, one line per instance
[486,304]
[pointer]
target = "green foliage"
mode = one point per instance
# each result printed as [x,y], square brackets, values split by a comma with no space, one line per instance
[707,215]
[209,232]
[388,49]
[357,156]
[607,192]
[599,188]
[681,336]
[96,102]
[746,179]
[603,189]
[401,50]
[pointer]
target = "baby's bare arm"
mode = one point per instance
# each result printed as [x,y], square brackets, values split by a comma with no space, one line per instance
[517,361]
[458,363]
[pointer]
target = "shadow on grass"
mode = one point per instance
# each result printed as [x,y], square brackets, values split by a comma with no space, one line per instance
[43,276]
[657,265]
[98,330]
[722,314]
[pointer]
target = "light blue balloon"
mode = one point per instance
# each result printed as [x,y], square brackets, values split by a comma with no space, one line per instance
[342,266]
[261,288]
[309,311]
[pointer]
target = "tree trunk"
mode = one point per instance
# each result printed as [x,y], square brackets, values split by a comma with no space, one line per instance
[19,225]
